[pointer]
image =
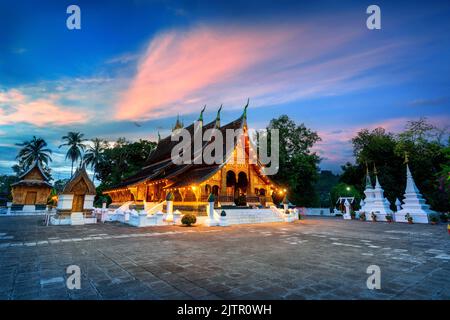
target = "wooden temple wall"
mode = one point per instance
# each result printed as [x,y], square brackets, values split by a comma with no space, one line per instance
[37,195]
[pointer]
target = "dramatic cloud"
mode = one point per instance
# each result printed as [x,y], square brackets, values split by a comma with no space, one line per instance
[182,70]
[15,107]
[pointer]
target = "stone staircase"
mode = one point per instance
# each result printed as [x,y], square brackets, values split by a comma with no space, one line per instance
[244,216]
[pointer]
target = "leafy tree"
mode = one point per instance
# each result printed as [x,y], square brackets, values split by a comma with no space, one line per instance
[94,154]
[5,185]
[427,160]
[421,141]
[32,151]
[324,184]
[345,190]
[122,160]
[75,142]
[298,164]
[59,185]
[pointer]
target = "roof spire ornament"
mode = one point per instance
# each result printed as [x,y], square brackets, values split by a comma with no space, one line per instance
[218,117]
[244,114]
[377,183]
[368,181]
[200,118]
[178,124]
[159,137]
[406,157]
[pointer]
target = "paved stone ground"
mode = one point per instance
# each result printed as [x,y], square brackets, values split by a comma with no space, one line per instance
[317,258]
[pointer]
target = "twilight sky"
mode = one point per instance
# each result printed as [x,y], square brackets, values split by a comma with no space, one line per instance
[148,61]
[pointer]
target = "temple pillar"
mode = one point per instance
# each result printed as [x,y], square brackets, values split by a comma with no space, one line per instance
[223,182]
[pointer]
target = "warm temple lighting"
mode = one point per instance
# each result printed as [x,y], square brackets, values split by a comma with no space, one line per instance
[193,188]
[281,192]
[284,190]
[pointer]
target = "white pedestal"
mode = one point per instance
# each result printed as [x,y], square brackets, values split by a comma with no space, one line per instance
[76,218]
[417,217]
[177,217]
[223,222]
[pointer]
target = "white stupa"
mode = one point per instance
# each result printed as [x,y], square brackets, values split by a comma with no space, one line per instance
[413,202]
[368,191]
[380,205]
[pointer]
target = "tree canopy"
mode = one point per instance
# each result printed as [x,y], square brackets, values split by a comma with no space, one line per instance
[428,161]
[298,164]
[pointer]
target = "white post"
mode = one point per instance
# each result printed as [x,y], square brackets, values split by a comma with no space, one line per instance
[176,217]
[169,208]
[210,211]
[223,219]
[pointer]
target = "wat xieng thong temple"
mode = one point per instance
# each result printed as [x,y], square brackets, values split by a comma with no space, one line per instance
[232,182]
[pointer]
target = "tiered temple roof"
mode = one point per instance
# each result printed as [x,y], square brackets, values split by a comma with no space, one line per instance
[159,166]
[35,176]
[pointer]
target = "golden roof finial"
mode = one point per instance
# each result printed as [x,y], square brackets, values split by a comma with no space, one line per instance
[406,157]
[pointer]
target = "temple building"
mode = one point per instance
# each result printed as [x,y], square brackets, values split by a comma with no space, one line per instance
[77,195]
[232,182]
[30,193]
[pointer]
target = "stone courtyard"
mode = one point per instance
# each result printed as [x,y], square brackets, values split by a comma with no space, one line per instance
[316,258]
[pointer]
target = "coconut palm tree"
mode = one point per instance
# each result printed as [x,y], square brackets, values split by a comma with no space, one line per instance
[75,142]
[94,154]
[32,151]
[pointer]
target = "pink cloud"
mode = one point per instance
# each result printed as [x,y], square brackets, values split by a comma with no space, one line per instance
[16,107]
[271,64]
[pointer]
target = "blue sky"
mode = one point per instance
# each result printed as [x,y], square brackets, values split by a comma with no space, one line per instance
[148,61]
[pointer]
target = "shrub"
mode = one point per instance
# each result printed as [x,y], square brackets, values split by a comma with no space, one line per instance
[362,216]
[389,217]
[434,218]
[241,200]
[189,219]
[408,218]
[444,217]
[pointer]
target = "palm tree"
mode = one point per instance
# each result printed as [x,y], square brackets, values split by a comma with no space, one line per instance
[32,151]
[74,140]
[94,154]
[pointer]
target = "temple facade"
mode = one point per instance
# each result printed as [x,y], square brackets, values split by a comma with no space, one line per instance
[31,192]
[77,195]
[232,182]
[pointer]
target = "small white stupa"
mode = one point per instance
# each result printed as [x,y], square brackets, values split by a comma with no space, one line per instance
[413,203]
[380,205]
[368,191]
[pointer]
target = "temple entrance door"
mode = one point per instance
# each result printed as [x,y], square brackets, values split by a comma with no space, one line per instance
[30,198]
[242,183]
[77,204]
[215,192]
